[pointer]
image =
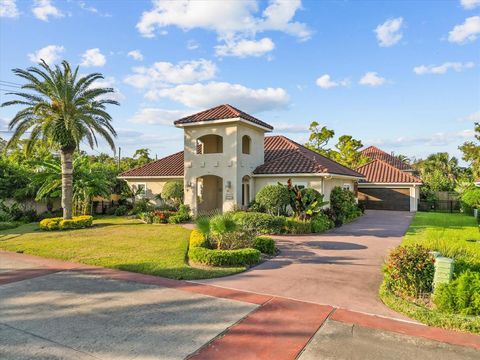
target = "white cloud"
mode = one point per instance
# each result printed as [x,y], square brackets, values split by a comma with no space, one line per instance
[325,82]
[466,32]
[470,4]
[8,9]
[244,48]
[93,57]
[443,68]
[162,73]
[156,116]
[50,54]
[43,9]
[473,117]
[436,139]
[389,33]
[135,55]
[289,128]
[372,79]
[201,96]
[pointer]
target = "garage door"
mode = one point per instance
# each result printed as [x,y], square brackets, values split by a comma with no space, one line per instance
[385,199]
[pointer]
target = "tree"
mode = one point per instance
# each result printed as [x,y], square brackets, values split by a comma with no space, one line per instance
[348,152]
[439,172]
[65,109]
[319,138]
[173,191]
[3,144]
[142,156]
[471,152]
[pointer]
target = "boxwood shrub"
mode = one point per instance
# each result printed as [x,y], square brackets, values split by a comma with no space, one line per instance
[199,253]
[264,244]
[77,222]
[260,222]
[321,223]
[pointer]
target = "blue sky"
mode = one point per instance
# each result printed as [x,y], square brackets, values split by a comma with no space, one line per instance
[402,75]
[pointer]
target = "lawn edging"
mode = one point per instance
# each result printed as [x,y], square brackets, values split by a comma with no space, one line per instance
[428,316]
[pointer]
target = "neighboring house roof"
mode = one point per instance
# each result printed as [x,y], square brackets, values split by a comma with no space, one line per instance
[375,153]
[380,172]
[285,156]
[219,113]
[282,156]
[171,165]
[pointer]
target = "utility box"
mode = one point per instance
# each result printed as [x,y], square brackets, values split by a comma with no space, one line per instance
[443,270]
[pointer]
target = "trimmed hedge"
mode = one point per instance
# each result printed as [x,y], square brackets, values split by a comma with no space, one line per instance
[297,227]
[77,222]
[199,253]
[260,222]
[265,245]
[321,223]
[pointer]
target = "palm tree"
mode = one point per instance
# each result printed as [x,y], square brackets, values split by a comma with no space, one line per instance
[65,109]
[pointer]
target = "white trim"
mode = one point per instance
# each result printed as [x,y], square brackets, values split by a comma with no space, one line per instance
[144,178]
[223,121]
[309,174]
[366,185]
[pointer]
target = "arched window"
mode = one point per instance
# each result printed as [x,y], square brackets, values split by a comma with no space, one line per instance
[246,144]
[210,144]
[245,190]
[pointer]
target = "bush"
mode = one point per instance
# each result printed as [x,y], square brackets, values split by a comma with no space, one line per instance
[173,191]
[265,245]
[77,222]
[274,199]
[141,206]
[255,207]
[122,210]
[343,205]
[261,223]
[182,216]
[409,271]
[321,223]
[200,253]
[4,225]
[470,200]
[156,217]
[461,296]
[296,227]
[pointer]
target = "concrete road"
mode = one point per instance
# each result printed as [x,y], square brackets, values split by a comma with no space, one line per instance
[341,268]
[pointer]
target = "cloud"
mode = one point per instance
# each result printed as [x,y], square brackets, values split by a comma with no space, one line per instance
[135,55]
[162,73]
[372,79]
[469,4]
[43,9]
[92,9]
[244,48]
[93,57]
[156,116]
[436,139]
[389,33]
[192,45]
[325,82]
[289,128]
[202,96]
[8,9]
[50,54]
[466,32]
[473,117]
[443,68]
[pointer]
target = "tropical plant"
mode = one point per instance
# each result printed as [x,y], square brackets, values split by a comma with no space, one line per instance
[306,202]
[471,152]
[439,172]
[65,109]
[173,192]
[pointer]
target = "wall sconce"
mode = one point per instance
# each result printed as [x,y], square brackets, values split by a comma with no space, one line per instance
[228,186]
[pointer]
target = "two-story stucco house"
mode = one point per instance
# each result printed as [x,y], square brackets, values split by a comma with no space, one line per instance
[227,159]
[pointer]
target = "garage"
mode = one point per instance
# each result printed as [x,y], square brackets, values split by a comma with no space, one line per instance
[385,199]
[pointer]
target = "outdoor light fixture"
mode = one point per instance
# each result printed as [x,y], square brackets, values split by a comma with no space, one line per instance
[229,185]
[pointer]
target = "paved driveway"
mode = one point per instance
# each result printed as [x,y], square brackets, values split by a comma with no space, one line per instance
[340,268]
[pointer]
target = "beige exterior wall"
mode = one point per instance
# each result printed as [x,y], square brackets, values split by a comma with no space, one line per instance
[154,186]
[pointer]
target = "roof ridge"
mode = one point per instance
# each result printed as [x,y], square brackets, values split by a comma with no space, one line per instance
[409,176]
[150,162]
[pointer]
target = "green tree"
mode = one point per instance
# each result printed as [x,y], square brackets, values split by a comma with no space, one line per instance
[65,109]
[173,191]
[347,152]
[142,156]
[471,152]
[3,144]
[439,172]
[319,138]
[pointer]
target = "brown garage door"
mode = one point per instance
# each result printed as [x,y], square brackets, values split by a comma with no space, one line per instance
[385,199]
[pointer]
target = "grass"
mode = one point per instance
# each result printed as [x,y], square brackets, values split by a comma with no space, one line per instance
[454,235]
[118,243]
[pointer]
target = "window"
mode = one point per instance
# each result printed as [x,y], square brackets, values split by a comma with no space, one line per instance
[347,186]
[246,141]
[245,190]
[210,144]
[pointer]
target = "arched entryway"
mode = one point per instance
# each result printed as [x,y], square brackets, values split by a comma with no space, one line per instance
[245,191]
[209,193]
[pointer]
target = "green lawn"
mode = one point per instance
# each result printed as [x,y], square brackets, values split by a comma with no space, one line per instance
[115,242]
[454,235]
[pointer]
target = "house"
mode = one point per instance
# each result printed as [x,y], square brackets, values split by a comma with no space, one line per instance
[227,159]
[389,183]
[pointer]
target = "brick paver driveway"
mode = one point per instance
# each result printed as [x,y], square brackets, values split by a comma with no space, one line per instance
[340,268]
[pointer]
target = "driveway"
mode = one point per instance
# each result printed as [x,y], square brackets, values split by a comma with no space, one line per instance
[341,268]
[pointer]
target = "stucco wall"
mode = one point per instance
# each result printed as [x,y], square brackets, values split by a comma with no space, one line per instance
[153,186]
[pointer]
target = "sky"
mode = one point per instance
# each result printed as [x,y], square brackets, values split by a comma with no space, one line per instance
[401,75]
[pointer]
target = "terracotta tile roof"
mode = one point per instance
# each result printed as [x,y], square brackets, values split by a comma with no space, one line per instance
[285,156]
[171,165]
[379,171]
[221,112]
[375,153]
[282,156]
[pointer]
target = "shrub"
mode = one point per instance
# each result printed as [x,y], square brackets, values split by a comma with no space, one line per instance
[255,207]
[343,205]
[274,199]
[297,226]
[141,206]
[265,245]
[197,239]
[461,296]
[122,210]
[156,217]
[470,200]
[409,271]
[321,223]
[182,216]
[4,225]
[173,191]
[306,202]
[77,222]
[261,223]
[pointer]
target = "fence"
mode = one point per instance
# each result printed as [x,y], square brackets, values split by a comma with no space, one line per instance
[450,206]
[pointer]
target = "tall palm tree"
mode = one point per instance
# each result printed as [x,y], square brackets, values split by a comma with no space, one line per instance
[65,109]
